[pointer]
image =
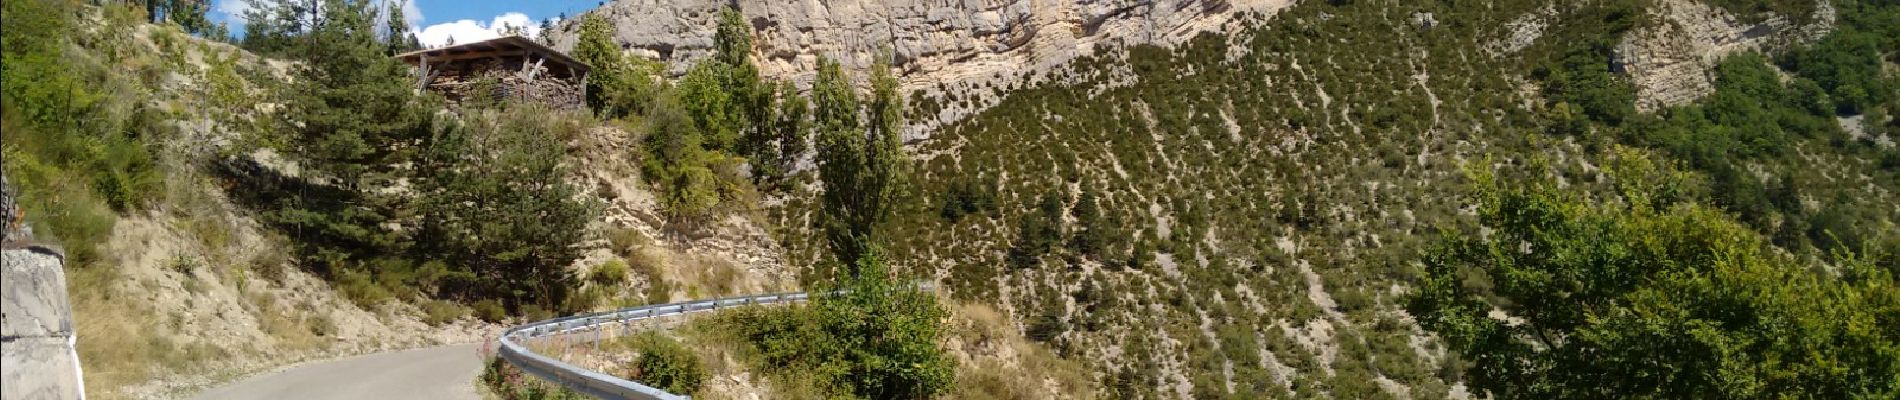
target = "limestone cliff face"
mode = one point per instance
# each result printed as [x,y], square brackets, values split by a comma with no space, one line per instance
[939,45]
[1671,59]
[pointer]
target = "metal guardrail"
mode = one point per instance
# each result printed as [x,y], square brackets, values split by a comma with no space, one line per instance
[595,327]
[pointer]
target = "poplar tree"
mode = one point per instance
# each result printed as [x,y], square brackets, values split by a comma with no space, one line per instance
[861,166]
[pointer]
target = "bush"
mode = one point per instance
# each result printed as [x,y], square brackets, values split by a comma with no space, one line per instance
[967,197]
[878,340]
[440,312]
[490,310]
[610,273]
[1652,301]
[509,383]
[666,364]
[75,134]
[359,288]
[625,242]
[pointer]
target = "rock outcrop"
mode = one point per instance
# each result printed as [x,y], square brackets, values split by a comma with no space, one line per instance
[1671,58]
[952,46]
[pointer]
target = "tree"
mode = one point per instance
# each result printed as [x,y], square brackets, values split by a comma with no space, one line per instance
[396,35]
[862,169]
[1848,65]
[1636,300]
[791,130]
[891,329]
[1037,234]
[619,85]
[749,98]
[1097,230]
[674,159]
[547,25]
[1583,80]
[888,334]
[271,26]
[188,14]
[354,121]
[712,105]
[357,108]
[732,40]
[499,206]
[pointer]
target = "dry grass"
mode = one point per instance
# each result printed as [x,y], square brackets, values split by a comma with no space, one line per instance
[996,362]
[113,347]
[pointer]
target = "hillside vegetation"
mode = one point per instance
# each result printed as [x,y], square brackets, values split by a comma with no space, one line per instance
[1345,199]
[1252,214]
[115,125]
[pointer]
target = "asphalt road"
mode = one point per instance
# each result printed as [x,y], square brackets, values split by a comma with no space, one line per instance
[446,372]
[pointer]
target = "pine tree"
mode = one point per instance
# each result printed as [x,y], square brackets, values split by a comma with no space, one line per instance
[498,208]
[675,160]
[354,121]
[396,35]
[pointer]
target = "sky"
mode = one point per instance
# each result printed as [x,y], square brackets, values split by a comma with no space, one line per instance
[436,21]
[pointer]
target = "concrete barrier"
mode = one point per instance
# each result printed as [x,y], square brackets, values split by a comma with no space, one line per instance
[37,358]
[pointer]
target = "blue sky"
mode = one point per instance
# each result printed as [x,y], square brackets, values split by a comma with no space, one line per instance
[465,20]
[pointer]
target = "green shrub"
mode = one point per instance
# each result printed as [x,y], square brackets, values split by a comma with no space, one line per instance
[439,312]
[1652,301]
[534,312]
[509,383]
[322,325]
[967,197]
[878,340]
[361,289]
[627,242]
[666,364]
[610,273]
[490,310]
[659,291]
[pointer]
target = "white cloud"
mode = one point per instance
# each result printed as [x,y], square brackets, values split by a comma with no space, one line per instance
[233,10]
[469,30]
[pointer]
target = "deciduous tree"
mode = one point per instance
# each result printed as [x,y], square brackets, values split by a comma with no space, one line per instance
[1566,298]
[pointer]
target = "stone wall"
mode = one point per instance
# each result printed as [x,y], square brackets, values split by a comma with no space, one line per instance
[506,79]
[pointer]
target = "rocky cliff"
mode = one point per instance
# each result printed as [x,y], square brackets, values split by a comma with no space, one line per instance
[1671,58]
[940,46]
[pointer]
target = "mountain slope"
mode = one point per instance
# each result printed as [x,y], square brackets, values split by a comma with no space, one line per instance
[1242,216]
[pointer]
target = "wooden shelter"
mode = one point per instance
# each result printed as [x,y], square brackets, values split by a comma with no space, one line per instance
[510,67]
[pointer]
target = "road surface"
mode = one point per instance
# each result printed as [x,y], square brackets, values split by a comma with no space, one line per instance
[446,372]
